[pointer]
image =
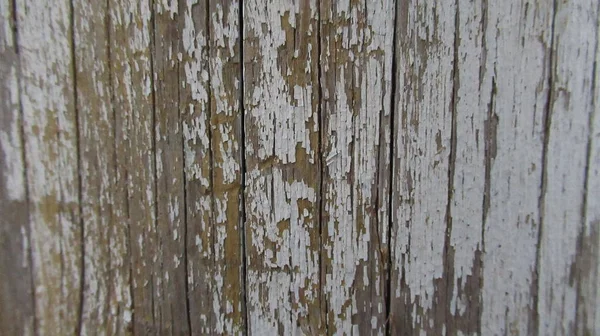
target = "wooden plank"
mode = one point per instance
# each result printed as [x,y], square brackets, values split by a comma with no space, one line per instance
[566,149]
[421,164]
[106,293]
[195,115]
[588,245]
[282,158]
[356,60]
[171,293]
[16,294]
[466,208]
[225,71]
[497,175]
[198,73]
[49,119]
[132,91]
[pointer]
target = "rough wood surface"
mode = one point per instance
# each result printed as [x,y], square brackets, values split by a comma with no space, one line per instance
[422,173]
[51,157]
[281,128]
[106,305]
[356,60]
[16,291]
[299,167]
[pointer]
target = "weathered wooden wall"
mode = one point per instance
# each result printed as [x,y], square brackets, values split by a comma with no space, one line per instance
[295,167]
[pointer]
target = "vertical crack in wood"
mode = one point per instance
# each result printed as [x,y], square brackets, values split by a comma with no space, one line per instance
[185,206]
[390,185]
[448,253]
[242,196]
[535,318]
[152,51]
[211,161]
[322,232]
[487,162]
[79,169]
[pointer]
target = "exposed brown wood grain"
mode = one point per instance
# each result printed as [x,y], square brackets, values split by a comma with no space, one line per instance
[355,139]
[106,293]
[132,91]
[282,159]
[171,299]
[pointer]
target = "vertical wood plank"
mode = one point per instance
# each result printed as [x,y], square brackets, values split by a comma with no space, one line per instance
[195,112]
[469,174]
[422,147]
[566,152]
[171,300]
[497,169]
[107,297]
[132,90]
[50,131]
[588,254]
[224,61]
[282,159]
[16,295]
[198,70]
[356,59]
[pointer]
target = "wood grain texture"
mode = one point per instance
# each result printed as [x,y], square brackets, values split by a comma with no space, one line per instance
[50,131]
[570,110]
[424,116]
[588,268]
[282,158]
[513,159]
[16,290]
[106,293]
[356,59]
[171,293]
[132,91]
[305,167]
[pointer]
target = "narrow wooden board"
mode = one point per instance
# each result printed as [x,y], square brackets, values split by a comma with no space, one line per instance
[588,254]
[422,167]
[281,125]
[356,60]
[171,294]
[106,291]
[16,288]
[50,131]
[562,258]
[498,170]
[225,72]
[132,90]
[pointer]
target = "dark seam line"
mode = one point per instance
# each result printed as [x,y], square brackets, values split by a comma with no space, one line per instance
[543,184]
[243,168]
[393,105]
[79,165]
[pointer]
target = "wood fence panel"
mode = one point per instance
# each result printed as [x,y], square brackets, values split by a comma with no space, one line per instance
[299,167]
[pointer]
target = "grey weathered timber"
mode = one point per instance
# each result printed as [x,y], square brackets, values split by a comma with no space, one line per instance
[299,167]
